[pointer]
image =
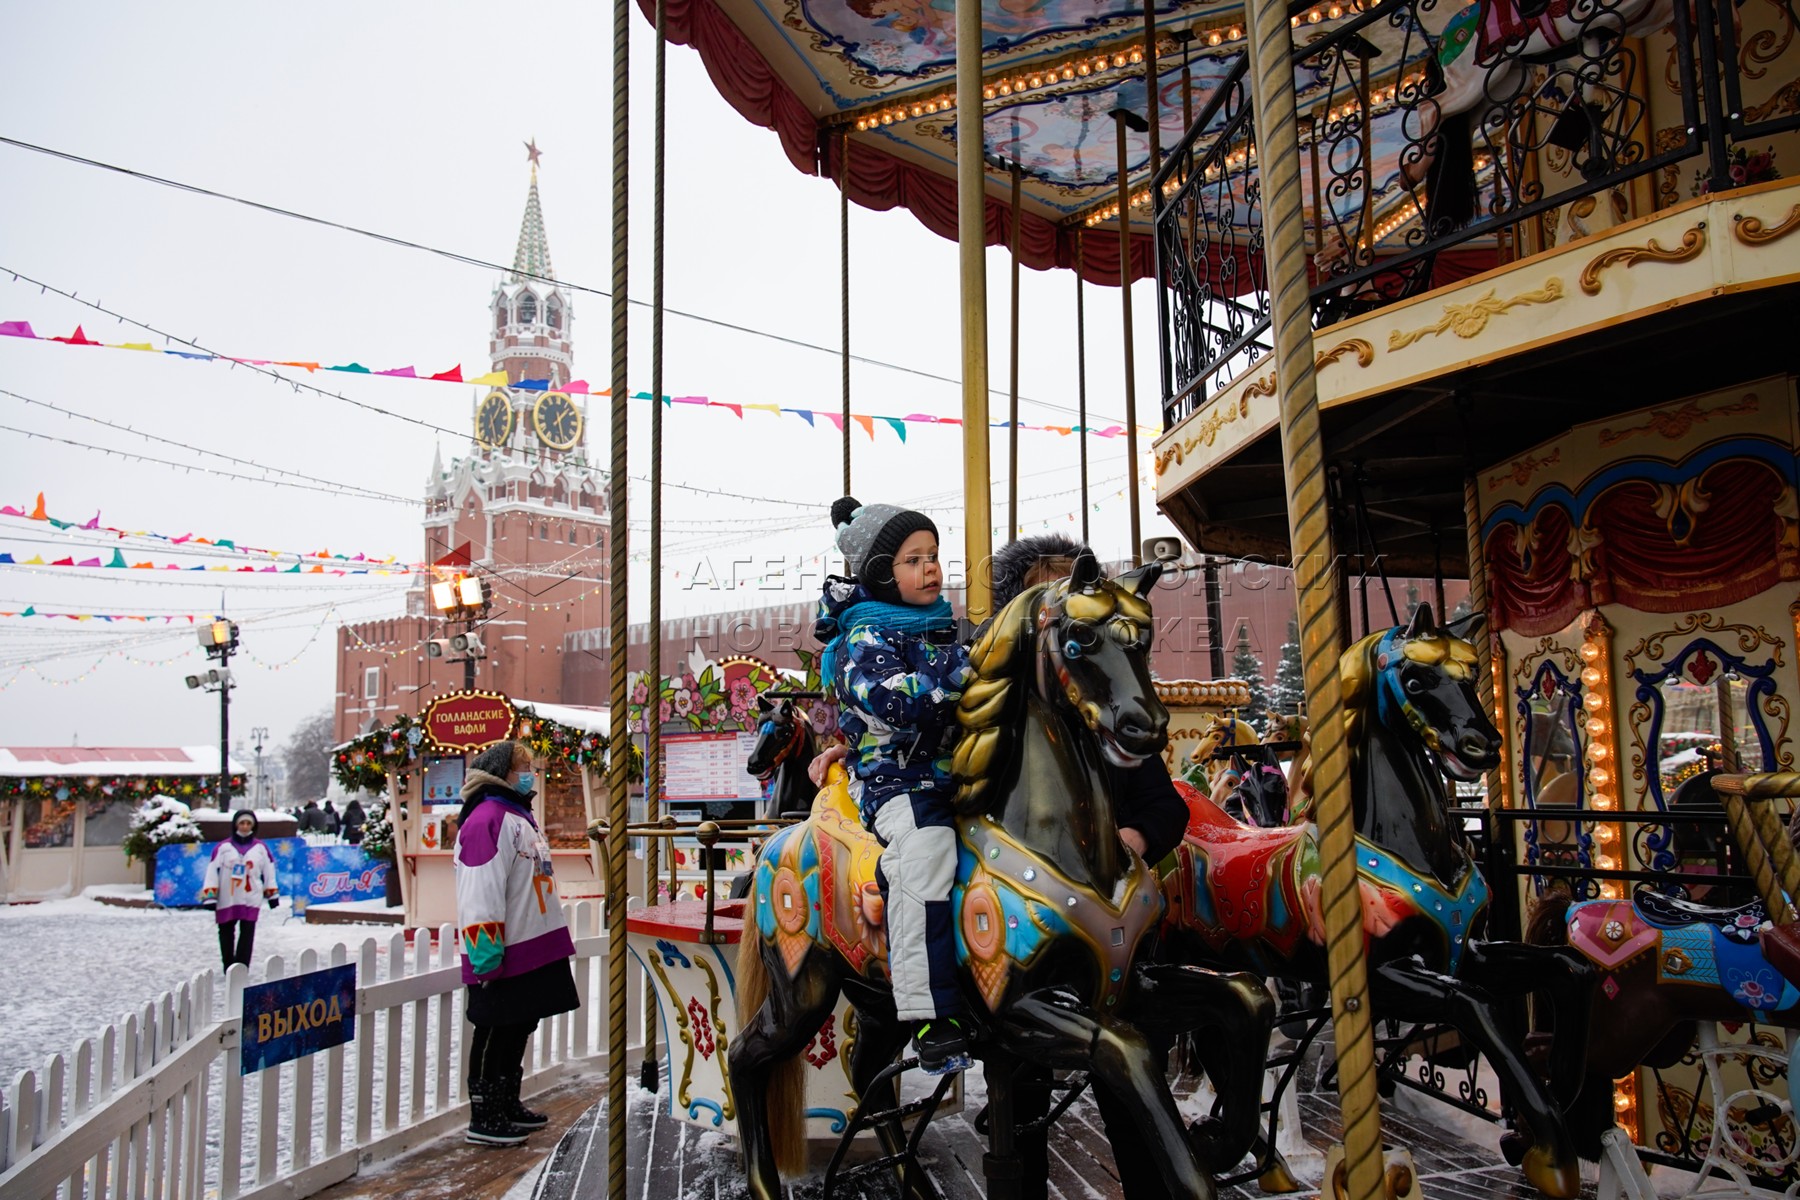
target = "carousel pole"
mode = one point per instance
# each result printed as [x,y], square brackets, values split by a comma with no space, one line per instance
[1124,119]
[1012,400]
[1485,646]
[618,753]
[844,288]
[971,242]
[1081,430]
[647,1073]
[1316,583]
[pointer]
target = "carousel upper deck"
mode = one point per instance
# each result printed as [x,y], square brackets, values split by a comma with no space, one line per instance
[1544,220]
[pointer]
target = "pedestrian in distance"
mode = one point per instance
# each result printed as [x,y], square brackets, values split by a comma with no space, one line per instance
[311,819]
[515,940]
[239,879]
[354,820]
[332,821]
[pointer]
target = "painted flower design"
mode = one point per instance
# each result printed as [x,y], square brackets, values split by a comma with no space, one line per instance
[743,697]
[667,711]
[1753,989]
[640,693]
[683,702]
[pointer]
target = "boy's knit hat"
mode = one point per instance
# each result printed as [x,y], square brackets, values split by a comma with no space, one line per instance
[869,535]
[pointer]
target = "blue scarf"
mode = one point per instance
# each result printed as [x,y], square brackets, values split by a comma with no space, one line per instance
[905,618]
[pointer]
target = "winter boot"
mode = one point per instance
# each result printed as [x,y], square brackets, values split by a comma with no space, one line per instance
[941,1046]
[516,1112]
[488,1125]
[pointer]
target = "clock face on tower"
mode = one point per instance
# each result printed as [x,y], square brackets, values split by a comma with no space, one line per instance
[494,419]
[558,421]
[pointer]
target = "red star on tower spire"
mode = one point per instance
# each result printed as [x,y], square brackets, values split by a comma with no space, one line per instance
[532,152]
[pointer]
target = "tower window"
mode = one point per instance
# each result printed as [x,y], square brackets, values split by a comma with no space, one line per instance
[500,316]
[553,314]
[527,308]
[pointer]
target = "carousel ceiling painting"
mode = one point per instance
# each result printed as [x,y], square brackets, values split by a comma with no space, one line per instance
[879,76]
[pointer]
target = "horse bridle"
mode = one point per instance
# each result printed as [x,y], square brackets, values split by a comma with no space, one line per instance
[1390,695]
[781,755]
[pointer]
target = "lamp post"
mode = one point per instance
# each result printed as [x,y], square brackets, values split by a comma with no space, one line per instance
[257,736]
[460,598]
[219,638]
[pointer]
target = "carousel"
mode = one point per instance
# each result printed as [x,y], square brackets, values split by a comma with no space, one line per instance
[1499,292]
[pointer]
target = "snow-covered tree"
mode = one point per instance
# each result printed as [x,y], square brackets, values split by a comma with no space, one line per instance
[307,757]
[159,821]
[378,833]
[1290,676]
[1246,666]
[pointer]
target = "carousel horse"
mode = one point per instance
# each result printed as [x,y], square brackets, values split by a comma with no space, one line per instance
[1242,775]
[1247,897]
[1665,963]
[784,746]
[1049,907]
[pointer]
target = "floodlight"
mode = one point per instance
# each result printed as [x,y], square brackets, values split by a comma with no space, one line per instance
[467,645]
[437,648]
[470,589]
[194,681]
[443,595]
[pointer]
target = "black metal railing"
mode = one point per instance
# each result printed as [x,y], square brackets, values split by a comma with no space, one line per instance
[1418,145]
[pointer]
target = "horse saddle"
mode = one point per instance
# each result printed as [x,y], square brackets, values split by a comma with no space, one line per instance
[1739,923]
[1236,882]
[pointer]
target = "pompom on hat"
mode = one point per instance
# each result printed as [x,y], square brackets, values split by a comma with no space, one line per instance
[870,535]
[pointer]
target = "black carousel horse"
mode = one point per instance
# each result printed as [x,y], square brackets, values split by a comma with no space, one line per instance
[1246,897]
[1049,907]
[785,745]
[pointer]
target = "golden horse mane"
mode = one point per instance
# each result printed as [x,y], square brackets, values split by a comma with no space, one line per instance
[985,709]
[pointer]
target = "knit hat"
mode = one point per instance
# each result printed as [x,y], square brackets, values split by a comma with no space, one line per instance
[255,825]
[496,760]
[869,535]
[1014,561]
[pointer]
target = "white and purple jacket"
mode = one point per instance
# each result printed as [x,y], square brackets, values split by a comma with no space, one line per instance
[239,880]
[506,903]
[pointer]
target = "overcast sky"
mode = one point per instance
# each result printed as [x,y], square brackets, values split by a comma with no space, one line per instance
[410,119]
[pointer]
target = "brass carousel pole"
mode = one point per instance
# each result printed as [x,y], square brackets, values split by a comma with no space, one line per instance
[1081,430]
[844,287]
[1316,584]
[971,241]
[653,668]
[618,754]
[1484,644]
[1012,400]
[1124,119]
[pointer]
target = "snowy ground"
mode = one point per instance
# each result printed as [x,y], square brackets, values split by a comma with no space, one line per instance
[76,966]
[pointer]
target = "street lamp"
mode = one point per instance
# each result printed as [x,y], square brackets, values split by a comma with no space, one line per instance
[219,638]
[460,598]
[257,737]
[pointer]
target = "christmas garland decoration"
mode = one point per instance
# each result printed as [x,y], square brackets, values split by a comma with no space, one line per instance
[105,787]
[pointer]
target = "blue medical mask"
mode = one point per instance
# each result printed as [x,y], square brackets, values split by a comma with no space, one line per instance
[527,783]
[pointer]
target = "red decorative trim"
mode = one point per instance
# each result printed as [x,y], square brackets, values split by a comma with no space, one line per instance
[854,952]
[685,920]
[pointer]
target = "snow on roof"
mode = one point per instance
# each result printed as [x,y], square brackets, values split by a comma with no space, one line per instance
[588,720]
[38,761]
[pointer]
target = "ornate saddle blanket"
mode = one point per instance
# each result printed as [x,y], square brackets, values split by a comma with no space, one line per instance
[1232,882]
[816,883]
[1619,935]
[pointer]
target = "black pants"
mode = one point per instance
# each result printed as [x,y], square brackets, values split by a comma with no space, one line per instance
[497,1051]
[235,940]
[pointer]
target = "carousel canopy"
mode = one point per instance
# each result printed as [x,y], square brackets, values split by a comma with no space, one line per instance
[879,76]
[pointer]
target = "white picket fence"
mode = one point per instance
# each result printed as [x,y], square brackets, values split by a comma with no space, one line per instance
[156,1107]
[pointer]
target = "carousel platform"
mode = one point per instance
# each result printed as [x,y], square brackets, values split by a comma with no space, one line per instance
[1456,1158]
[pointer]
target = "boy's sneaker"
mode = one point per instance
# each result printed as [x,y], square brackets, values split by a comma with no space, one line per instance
[941,1046]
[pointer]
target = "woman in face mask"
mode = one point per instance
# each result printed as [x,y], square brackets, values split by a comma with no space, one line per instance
[240,877]
[515,941]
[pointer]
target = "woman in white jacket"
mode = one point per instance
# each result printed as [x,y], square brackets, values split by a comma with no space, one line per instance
[515,942]
[240,878]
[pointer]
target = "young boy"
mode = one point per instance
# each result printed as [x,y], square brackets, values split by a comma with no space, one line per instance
[894,663]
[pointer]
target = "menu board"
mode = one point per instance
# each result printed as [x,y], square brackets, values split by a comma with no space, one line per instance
[444,779]
[708,766]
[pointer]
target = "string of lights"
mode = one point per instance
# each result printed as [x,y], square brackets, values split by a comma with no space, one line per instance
[471,260]
[369,493]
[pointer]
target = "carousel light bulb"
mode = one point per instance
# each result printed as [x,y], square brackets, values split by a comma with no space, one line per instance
[1622,1102]
[1294,22]
[1037,81]
[1606,862]
[1006,89]
[1596,727]
[1591,676]
[987,92]
[1136,56]
[1598,752]
[1601,776]
[1234,33]
[1213,38]
[1314,17]
[1081,69]
[1334,12]
[1593,701]
[1602,800]
[1609,890]
[1605,835]
[1590,652]
[931,108]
